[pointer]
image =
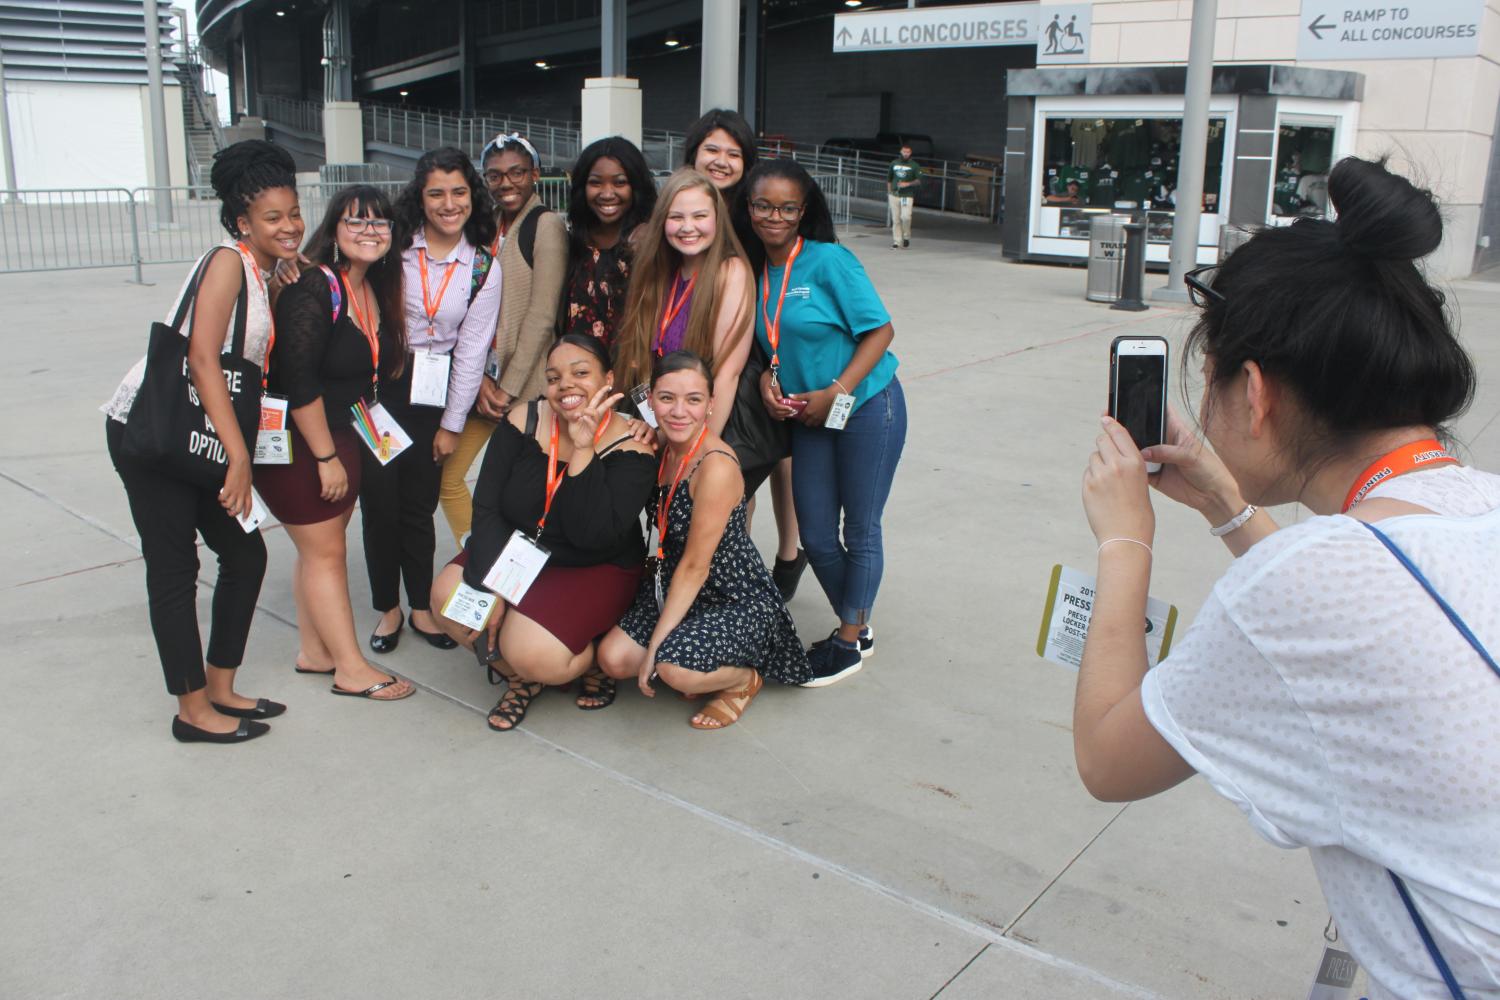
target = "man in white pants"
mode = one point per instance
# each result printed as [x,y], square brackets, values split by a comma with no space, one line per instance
[901,190]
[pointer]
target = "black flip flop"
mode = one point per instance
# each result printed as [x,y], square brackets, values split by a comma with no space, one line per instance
[370,691]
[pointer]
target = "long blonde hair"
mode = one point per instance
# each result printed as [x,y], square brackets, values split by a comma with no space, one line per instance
[655,269]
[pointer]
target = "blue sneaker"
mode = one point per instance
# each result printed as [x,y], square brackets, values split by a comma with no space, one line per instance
[832,661]
[866,641]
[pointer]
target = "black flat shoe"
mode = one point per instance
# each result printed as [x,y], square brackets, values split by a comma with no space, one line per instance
[248,730]
[787,573]
[265,708]
[387,643]
[439,639]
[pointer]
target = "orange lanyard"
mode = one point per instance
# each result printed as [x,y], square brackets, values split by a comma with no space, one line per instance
[672,307]
[773,330]
[1407,458]
[249,258]
[666,506]
[363,324]
[554,474]
[429,306]
[500,229]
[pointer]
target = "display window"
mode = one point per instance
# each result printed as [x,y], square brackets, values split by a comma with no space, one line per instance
[1123,162]
[1305,152]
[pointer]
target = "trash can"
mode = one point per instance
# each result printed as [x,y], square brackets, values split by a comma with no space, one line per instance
[1231,238]
[1106,257]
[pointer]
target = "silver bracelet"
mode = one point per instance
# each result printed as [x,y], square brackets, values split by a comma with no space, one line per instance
[1234,522]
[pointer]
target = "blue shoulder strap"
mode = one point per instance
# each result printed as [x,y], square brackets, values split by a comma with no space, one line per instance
[1454,989]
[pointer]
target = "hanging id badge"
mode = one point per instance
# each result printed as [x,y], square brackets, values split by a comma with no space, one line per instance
[517,568]
[429,378]
[661,591]
[273,441]
[838,413]
[492,363]
[1335,978]
[641,397]
[469,607]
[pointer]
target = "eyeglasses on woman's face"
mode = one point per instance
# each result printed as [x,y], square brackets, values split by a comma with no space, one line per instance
[791,211]
[1199,283]
[358,224]
[516,175]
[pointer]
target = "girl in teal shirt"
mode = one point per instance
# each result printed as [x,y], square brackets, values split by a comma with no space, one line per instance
[828,334]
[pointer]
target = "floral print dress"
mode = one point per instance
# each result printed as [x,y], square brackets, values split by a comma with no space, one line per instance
[596,293]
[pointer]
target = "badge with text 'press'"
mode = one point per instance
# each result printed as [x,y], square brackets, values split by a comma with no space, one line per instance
[1070,604]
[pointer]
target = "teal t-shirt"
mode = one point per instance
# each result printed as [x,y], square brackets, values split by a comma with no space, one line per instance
[830,304]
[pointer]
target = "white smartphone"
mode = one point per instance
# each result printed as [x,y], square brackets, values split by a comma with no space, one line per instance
[1138,389]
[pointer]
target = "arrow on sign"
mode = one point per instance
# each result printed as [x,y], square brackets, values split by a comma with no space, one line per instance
[844,36]
[1318,27]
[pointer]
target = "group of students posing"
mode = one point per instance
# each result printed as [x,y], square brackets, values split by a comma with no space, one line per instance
[660,353]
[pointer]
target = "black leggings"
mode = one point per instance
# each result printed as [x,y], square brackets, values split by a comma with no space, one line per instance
[396,506]
[169,514]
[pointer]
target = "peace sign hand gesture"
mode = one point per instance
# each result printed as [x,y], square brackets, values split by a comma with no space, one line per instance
[595,414]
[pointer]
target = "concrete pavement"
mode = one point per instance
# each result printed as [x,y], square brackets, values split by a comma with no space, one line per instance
[917,831]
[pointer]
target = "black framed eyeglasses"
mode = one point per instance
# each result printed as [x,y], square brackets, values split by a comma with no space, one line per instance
[358,224]
[516,175]
[1199,283]
[791,211]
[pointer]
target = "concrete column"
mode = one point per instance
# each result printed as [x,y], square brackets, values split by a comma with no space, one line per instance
[1194,151]
[612,38]
[162,173]
[750,107]
[466,68]
[343,132]
[721,55]
[9,151]
[611,106]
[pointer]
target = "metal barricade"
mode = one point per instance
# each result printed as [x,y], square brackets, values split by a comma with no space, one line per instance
[1106,257]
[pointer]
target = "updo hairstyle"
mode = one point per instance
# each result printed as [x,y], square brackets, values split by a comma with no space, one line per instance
[242,171]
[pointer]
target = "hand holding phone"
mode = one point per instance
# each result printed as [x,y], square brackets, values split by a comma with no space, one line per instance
[1138,389]
[796,404]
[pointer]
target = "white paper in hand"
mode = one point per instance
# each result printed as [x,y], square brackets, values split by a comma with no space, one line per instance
[258,513]
[469,607]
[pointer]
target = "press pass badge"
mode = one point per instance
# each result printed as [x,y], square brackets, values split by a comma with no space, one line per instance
[492,364]
[1335,978]
[1065,620]
[641,397]
[429,378]
[838,413]
[258,513]
[469,607]
[517,568]
[273,441]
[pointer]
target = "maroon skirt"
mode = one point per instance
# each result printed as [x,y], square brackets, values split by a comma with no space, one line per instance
[577,604]
[293,492]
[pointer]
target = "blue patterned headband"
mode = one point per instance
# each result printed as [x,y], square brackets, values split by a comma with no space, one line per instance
[501,141]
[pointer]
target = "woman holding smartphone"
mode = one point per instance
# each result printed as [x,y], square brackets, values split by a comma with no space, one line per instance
[452,301]
[611,194]
[1340,683]
[830,358]
[257,190]
[340,328]
[707,619]
[533,267]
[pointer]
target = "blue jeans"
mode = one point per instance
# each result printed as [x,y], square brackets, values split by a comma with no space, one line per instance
[848,473]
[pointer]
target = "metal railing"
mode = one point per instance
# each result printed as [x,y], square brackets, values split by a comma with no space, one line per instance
[72,228]
[304,116]
[556,143]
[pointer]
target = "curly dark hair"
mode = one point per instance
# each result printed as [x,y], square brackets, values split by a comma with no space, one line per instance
[242,171]
[642,187]
[410,215]
[385,275]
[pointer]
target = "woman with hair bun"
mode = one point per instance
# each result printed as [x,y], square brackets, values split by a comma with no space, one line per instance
[1340,684]
[256,185]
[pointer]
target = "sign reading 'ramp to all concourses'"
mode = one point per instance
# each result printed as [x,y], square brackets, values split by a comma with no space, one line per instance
[1416,29]
[1059,31]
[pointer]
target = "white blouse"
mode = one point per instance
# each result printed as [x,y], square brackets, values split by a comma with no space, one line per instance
[257,331]
[1325,693]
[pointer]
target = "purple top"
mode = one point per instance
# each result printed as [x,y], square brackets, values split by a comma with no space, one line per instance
[676,333]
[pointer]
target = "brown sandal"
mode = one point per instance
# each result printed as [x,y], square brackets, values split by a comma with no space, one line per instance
[727,706]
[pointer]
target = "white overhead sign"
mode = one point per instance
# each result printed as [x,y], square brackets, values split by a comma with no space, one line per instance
[1416,29]
[1059,31]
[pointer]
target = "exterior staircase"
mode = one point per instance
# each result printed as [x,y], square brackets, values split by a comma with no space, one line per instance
[200,119]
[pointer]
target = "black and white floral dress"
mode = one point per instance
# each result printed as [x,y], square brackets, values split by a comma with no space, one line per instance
[738,618]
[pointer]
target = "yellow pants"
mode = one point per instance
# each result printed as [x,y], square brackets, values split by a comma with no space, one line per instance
[453,496]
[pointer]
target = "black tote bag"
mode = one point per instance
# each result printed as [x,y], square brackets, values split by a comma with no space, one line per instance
[166,427]
[758,439]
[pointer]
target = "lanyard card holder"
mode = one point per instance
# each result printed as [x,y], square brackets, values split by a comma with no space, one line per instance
[273,441]
[469,607]
[838,413]
[519,565]
[492,364]
[641,397]
[379,431]
[429,378]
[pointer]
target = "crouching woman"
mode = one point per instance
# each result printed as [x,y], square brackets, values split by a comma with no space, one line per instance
[564,471]
[707,619]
